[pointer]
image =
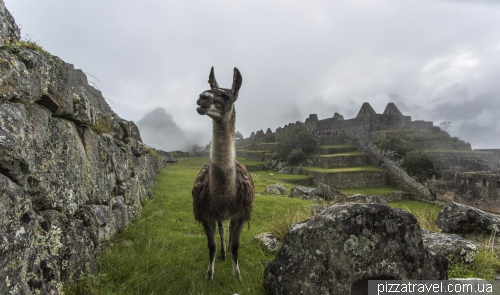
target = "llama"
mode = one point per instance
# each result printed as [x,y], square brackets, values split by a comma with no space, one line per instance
[223,190]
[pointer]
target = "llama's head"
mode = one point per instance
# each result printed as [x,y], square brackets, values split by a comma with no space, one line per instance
[218,103]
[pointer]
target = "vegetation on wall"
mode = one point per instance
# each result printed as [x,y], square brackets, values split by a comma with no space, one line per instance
[419,165]
[297,145]
[402,141]
[29,43]
[102,126]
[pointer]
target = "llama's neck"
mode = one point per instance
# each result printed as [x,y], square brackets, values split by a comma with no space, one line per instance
[222,156]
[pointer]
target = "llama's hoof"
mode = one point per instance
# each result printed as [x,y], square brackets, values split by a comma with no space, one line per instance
[237,276]
[210,276]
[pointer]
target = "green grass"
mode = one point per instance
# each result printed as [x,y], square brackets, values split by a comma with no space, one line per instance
[487,265]
[426,213]
[164,250]
[364,168]
[379,190]
[247,163]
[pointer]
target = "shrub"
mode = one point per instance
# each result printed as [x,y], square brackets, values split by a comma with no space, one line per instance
[295,156]
[305,141]
[419,165]
[394,143]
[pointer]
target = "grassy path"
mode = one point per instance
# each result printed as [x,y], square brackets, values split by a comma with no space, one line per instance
[164,251]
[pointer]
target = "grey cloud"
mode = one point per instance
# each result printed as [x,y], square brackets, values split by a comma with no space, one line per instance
[296,58]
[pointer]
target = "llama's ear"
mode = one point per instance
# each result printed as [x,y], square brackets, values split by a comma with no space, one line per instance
[237,80]
[212,81]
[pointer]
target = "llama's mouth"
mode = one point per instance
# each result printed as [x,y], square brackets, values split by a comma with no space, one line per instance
[202,110]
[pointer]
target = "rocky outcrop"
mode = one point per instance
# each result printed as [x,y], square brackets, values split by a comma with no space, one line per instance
[329,193]
[275,189]
[451,246]
[72,173]
[9,32]
[340,249]
[462,219]
[362,199]
[269,241]
[322,192]
[302,192]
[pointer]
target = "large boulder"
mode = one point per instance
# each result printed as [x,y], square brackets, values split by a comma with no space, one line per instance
[362,199]
[340,249]
[462,219]
[275,189]
[329,193]
[450,245]
[302,192]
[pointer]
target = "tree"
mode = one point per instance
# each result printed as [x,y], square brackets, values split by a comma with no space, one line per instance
[419,165]
[445,125]
[298,143]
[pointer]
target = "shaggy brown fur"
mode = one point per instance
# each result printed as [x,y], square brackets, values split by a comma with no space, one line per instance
[212,208]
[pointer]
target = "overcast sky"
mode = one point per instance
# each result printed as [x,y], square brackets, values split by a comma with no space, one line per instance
[436,60]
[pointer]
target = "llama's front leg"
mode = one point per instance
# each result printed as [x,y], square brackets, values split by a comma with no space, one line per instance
[212,246]
[222,240]
[235,228]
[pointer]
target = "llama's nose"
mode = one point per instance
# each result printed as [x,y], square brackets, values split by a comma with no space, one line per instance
[204,100]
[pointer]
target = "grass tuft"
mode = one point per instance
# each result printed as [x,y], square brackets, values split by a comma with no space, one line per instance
[426,214]
[487,264]
[29,43]
[280,226]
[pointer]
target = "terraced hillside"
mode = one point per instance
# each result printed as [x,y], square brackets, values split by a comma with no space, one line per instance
[336,163]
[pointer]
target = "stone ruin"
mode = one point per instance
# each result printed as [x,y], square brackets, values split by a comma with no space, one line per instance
[455,162]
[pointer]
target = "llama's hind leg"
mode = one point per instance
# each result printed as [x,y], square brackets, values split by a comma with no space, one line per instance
[210,228]
[222,240]
[235,228]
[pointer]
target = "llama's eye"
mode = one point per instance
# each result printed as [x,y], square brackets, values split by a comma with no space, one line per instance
[224,96]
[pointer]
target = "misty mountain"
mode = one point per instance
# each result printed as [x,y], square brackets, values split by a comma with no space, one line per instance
[159,130]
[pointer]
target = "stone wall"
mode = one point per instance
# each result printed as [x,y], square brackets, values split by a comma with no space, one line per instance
[331,161]
[72,173]
[448,163]
[347,179]
[480,189]
[268,147]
